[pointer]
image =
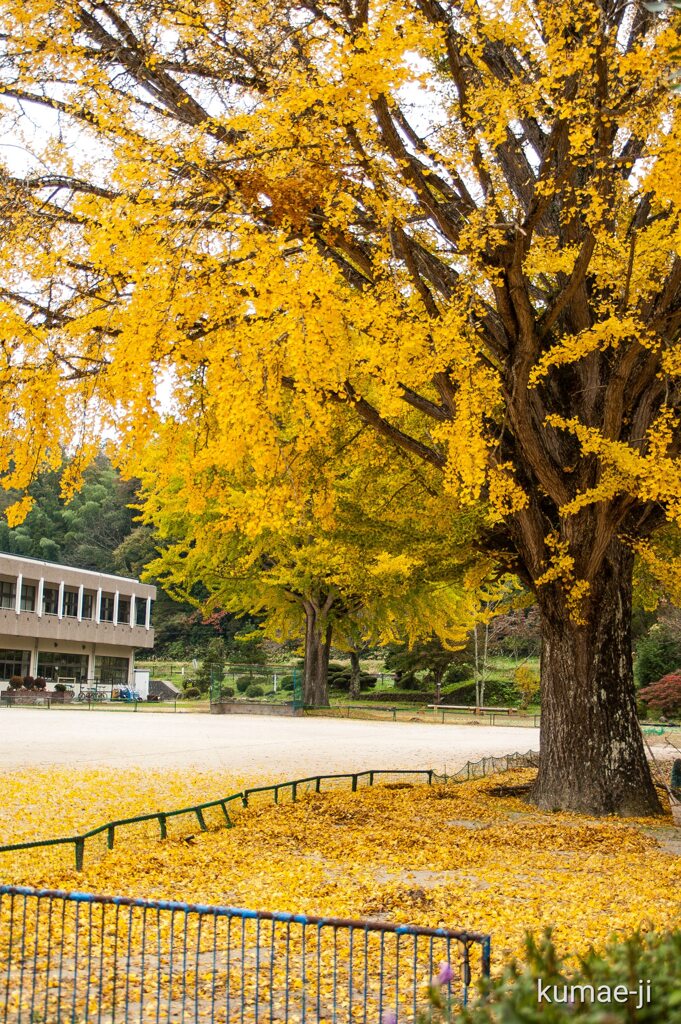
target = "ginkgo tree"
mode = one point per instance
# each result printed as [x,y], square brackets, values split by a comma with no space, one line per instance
[459,220]
[320,550]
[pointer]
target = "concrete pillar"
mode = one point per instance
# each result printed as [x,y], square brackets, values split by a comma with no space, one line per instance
[81,592]
[115,610]
[17,602]
[60,601]
[132,610]
[41,594]
[147,623]
[98,605]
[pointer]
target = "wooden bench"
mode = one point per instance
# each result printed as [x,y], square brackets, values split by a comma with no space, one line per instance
[482,710]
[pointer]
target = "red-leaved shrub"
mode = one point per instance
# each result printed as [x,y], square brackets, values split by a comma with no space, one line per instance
[665,694]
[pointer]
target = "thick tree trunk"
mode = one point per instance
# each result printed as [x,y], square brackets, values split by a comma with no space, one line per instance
[439,672]
[592,753]
[355,688]
[317,648]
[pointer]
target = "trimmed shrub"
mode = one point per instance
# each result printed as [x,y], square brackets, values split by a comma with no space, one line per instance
[512,995]
[191,693]
[286,683]
[242,683]
[403,697]
[664,695]
[342,680]
[459,672]
[255,691]
[28,682]
[39,683]
[406,681]
[60,687]
[16,682]
[498,692]
[226,691]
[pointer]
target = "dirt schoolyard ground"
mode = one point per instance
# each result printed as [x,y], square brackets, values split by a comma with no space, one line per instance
[244,745]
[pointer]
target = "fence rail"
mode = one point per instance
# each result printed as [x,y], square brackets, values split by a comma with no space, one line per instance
[79,958]
[220,812]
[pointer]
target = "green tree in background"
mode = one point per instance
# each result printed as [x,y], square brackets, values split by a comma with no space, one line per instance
[657,653]
[212,668]
[85,532]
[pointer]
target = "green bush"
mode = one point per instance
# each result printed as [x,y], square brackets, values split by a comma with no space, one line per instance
[243,682]
[513,995]
[406,681]
[403,697]
[457,673]
[641,710]
[191,693]
[286,683]
[342,680]
[255,691]
[226,691]
[498,693]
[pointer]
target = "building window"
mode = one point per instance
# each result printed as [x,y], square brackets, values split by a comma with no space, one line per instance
[71,603]
[140,611]
[88,605]
[107,609]
[123,611]
[111,671]
[8,594]
[50,600]
[14,663]
[55,665]
[28,597]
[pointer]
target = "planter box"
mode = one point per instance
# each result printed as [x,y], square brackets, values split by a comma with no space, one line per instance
[253,707]
[28,698]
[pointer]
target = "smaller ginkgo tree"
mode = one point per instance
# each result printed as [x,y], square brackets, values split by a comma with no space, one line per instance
[319,552]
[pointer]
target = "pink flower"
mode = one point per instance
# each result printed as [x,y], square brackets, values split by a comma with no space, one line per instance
[445,974]
[389,1017]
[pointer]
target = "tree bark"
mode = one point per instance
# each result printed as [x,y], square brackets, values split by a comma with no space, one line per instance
[316,668]
[355,688]
[592,754]
[438,674]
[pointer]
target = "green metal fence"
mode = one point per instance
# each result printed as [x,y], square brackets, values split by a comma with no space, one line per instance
[224,811]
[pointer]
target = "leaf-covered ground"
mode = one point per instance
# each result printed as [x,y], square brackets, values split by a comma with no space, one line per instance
[444,855]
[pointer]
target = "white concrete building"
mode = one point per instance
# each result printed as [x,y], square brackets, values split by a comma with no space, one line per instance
[70,624]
